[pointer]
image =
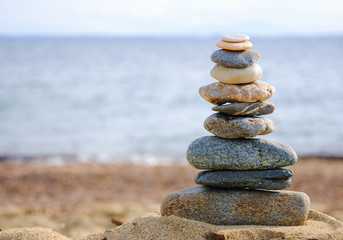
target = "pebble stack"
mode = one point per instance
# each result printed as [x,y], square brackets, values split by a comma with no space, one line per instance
[242,177]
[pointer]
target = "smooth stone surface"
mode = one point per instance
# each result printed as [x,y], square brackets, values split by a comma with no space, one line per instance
[226,126]
[235,38]
[236,75]
[234,46]
[238,206]
[219,93]
[235,59]
[271,179]
[153,226]
[212,152]
[246,109]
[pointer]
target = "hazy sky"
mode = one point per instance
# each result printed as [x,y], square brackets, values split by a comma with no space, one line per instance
[170,17]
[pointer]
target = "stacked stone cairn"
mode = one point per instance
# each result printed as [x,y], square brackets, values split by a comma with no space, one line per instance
[243,176]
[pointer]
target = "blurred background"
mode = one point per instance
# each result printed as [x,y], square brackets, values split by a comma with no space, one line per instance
[116,82]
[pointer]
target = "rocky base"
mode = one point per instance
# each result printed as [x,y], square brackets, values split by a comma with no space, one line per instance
[238,206]
[153,226]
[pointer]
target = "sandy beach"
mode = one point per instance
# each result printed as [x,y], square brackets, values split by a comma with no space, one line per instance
[79,199]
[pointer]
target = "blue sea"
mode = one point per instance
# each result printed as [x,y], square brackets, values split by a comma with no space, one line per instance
[136,99]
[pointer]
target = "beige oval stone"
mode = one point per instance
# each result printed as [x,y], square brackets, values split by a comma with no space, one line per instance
[236,75]
[219,93]
[234,46]
[235,38]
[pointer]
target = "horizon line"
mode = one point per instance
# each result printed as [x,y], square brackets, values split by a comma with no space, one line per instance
[171,35]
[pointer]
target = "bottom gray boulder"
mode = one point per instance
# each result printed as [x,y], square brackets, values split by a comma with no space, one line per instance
[238,206]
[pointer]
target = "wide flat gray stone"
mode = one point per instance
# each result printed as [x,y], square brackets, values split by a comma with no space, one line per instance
[238,207]
[246,109]
[271,179]
[212,152]
[226,126]
[235,59]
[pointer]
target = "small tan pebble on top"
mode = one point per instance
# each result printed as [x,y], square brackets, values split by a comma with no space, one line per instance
[235,38]
[234,46]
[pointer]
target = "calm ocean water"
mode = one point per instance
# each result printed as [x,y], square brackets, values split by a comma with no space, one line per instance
[138,99]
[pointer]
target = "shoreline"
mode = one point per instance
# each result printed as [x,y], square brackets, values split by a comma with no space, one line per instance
[139,160]
[81,198]
[317,172]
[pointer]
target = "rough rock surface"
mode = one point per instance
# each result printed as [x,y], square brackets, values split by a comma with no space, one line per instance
[220,206]
[219,93]
[236,75]
[235,59]
[226,126]
[246,109]
[37,233]
[271,179]
[212,152]
[153,226]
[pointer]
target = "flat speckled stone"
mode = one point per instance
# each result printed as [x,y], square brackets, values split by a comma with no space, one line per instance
[238,207]
[216,153]
[226,126]
[236,75]
[234,46]
[271,179]
[219,93]
[235,59]
[246,109]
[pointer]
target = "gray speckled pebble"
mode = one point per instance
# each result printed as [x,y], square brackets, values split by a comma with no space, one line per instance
[216,153]
[246,109]
[238,206]
[225,126]
[271,179]
[235,59]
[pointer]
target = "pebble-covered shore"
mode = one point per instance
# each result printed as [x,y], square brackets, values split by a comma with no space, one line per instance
[79,199]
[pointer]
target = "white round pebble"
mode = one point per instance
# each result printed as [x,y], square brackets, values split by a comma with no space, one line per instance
[235,38]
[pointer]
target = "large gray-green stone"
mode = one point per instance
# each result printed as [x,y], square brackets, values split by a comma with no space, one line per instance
[235,59]
[226,126]
[246,109]
[271,179]
[238,206]
[216,153]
